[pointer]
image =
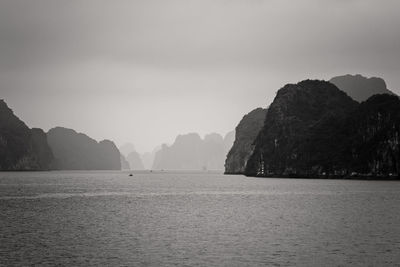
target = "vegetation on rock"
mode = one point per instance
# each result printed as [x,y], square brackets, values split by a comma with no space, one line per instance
[313,129]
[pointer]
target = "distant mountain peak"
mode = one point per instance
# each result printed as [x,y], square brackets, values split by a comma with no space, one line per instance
[191,152]
[127,148]
[77,151]
[359,87]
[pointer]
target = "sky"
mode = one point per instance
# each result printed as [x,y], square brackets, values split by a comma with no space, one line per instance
[145,71]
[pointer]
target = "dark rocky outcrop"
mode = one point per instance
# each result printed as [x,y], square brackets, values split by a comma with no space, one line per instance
[242,148]
[41,148]
[312,129]
[359,87]
[373,136]
[21,148]
[77,151]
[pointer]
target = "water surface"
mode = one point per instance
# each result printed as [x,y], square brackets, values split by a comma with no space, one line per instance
[196,219]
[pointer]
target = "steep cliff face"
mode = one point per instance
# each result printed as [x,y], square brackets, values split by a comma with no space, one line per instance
[359,87]
[246,132]
[41,149]
[76,151]
[373,132]
[300,131]
[21,148]
[312,129]
[109,156]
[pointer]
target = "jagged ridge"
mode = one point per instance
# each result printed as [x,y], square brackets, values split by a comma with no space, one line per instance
[21,148]
[314,129]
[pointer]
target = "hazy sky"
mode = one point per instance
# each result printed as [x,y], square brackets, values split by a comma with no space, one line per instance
[145,71]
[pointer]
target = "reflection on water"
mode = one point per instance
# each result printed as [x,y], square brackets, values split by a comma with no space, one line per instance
[161,219]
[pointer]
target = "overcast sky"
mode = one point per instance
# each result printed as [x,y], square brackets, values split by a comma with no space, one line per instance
[145,71]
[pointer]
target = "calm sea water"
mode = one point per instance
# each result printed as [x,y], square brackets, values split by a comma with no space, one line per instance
[196,219]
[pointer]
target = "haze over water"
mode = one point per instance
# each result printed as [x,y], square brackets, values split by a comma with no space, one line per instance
[196,219]
[147,71]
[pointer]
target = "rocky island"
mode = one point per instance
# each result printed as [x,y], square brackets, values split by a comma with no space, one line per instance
[320,129]
[191,152]
[313,129]
[22,148]
[25,149]
[77,151]
[242,148]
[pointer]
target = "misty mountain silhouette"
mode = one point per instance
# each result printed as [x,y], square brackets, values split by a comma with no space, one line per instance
[126,148]
[135,161]
[190,152]
[22,148]
[132,157]
[312,128]
[124,163]
[77,151]
[148,157]
[359,87]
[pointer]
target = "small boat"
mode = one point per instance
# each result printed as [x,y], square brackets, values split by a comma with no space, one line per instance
[130,174]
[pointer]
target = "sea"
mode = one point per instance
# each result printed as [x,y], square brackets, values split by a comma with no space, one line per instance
[104,218]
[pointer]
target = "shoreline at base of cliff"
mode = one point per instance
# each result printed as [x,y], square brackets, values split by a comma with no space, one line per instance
[329,177]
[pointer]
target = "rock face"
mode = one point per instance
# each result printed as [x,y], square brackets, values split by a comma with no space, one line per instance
[190,152]
[41,148]
[374,135]
[313,129]
[135,161]
[359,87]
[21,148]
[246,133]
[77,151]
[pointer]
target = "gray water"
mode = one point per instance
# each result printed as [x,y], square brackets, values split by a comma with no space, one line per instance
[196,219]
